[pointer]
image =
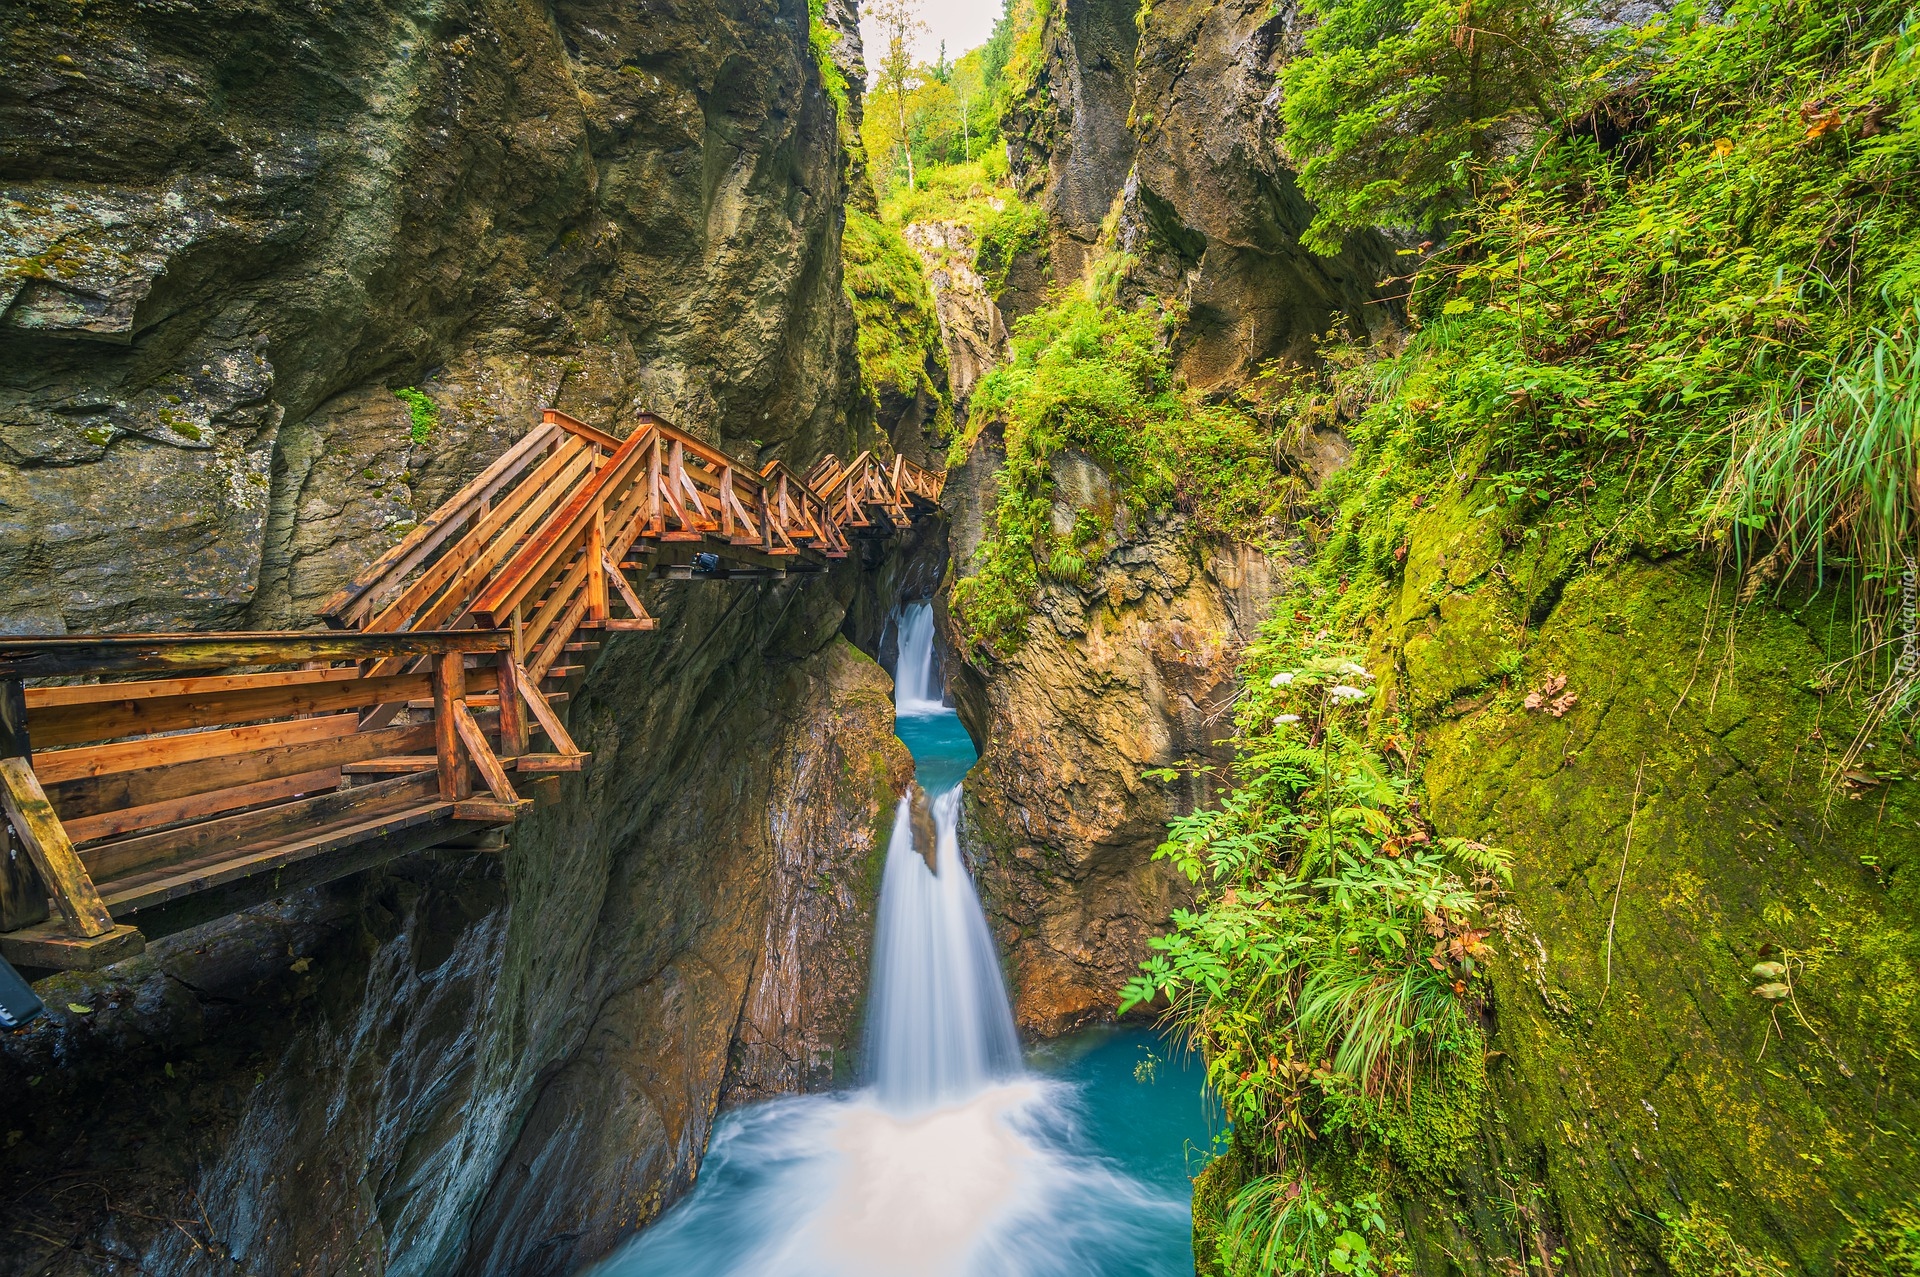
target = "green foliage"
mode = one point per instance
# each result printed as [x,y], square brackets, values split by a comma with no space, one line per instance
[1733,281]
[1888,1246]
[1004,234]
[1329,970]
[901,351]
[423,411]
[1094,377]
[1392,114]
[1698,1245]
[821,39]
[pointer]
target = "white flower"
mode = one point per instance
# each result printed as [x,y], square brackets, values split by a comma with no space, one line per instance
[1357,671]
[1280,680]
[1284,719]
[1345,693]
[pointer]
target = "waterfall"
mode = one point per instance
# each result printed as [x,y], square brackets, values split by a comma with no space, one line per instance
[916,681]
[955,1160]
[938,1024]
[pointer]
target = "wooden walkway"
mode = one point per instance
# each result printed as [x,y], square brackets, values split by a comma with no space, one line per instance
[191,775]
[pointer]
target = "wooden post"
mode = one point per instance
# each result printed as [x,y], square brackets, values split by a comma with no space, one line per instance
[23,896]
[596,555]
[449,689]
[53,855]
[513,714]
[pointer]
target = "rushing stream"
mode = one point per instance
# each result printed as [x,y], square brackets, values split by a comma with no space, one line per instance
[957,1157]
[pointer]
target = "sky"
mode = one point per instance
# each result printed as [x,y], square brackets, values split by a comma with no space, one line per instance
[963,24]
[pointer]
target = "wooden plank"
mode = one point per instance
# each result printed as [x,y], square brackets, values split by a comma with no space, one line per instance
[174,881]
[412,550]
[578,427]
[50,944]
[60,765]
[143,854]
[486,544]
[538,556]
[562,631]
[397,764]
[89,795]
[53,855]
[24,658]
[102,720]
[45,698]
[111,824]
[449,688]
[619,624]
[550,762]
[492,810]
[483,756]
[544,715]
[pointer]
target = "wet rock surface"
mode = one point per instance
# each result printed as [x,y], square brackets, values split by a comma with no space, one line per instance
[227,231]
[1211,208]
[1135,671]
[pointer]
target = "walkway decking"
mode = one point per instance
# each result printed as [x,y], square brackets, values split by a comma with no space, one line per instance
[197,774]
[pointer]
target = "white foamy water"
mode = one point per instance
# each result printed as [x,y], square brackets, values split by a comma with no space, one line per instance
[954,1160]
[916,684]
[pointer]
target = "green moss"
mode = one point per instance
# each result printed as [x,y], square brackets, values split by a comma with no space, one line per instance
[422,411]
[1440,1123]
[901,350]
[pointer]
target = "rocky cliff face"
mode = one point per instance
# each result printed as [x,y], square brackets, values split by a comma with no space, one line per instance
[1134,671]
[1067,139]
[1677,825]
[1211,207]
[971,326]
[230,232]
[232,229]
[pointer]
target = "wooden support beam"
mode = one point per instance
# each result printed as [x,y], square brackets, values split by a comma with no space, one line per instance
[53,855]
[597,554]
[483,756]
[627,595]
[492,810]
[449,687]
[50,944]
[513,715]
[543,763]
[60,765]
[544,715]
[59,726]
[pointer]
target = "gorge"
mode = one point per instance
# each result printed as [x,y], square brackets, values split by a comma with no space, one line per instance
[1392,752]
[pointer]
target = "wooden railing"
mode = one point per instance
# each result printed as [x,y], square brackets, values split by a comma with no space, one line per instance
[897,489]
[225,760]
[128,795]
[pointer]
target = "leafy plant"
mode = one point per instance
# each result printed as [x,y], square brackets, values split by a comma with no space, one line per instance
[1334,952]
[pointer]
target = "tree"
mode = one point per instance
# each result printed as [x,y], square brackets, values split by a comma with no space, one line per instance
[1399,106]
[899,22]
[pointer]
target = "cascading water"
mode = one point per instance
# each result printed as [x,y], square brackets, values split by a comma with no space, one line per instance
[954,1159]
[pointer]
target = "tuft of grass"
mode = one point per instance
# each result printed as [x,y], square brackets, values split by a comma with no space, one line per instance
[422,410]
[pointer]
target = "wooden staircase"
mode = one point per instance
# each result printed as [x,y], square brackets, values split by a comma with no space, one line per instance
[191,775]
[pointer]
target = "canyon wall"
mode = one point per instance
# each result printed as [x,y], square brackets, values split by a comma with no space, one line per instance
[233,229]
[231,233]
